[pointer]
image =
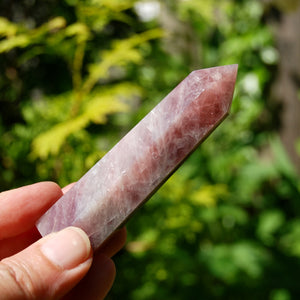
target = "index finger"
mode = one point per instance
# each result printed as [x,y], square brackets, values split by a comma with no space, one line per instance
[20,208]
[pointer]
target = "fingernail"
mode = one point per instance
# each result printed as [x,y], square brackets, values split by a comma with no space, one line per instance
[67,248]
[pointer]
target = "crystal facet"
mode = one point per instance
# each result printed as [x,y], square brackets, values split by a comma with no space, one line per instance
[136,167]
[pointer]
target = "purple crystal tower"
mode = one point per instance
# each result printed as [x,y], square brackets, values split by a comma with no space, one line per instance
[136,167]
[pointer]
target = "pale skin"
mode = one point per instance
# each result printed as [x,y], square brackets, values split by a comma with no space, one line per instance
[59,266]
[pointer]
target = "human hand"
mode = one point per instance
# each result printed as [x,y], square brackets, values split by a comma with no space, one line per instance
[60,265]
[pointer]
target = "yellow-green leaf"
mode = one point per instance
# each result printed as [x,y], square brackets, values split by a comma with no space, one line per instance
[7,28]
[208,195]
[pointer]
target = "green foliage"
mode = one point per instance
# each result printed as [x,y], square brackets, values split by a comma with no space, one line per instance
[94,109]
[98,87]
[20,36]
[225,225]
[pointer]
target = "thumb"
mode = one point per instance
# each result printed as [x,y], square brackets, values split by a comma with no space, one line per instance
[49,268]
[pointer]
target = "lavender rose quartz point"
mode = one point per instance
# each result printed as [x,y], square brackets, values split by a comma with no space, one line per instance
[136,167]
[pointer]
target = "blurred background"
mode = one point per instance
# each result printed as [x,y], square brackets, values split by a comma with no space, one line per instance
[77,75]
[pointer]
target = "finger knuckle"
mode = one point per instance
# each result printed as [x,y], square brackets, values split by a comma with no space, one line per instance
[18,276]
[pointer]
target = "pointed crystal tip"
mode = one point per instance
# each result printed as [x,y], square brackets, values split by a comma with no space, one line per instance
[219,83]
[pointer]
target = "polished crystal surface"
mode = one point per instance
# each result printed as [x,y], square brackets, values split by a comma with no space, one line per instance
[135,168]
